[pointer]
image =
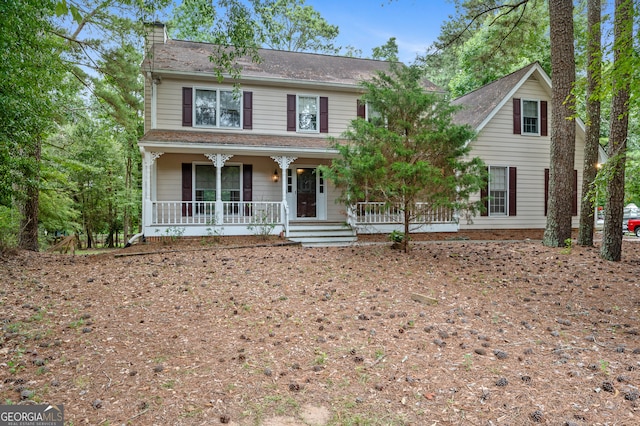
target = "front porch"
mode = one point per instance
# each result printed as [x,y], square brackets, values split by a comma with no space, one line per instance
[199,194]
[380,218]
[223,218]
[216,218]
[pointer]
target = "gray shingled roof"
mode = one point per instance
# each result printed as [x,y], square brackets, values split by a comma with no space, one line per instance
[238,139]
[477,105]
[193,57]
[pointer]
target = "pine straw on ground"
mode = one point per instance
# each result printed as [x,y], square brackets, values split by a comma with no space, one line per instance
[206,333]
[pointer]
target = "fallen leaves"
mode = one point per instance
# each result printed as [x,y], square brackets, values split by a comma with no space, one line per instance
[263,330]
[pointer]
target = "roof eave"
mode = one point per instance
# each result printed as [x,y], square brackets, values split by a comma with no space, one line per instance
[200,148]
[268,81]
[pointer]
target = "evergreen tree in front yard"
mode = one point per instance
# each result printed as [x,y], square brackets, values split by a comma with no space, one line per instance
[408,151]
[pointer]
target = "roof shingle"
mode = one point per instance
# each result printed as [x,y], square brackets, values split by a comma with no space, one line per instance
[477,105]
[193,57]
[237,139]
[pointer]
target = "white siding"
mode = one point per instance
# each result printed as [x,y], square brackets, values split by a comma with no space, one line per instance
[269,107]
[498,146]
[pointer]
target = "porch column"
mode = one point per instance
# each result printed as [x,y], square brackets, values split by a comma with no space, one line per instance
[218,161]
[149,160]
[284,162]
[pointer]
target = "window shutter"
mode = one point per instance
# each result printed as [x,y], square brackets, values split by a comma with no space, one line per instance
[291,113]
[247,110]
[517,119]
[512,191]
[574,198]
[247,187]
[247,182]
[187,106]
[361,108]
[484,196]
[543,119]
[186,189]
[546,190]
[324,114]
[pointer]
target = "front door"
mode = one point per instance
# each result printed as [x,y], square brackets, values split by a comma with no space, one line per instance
[306,198]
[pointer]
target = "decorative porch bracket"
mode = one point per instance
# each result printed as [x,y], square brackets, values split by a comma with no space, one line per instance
[284,162]
[218,161]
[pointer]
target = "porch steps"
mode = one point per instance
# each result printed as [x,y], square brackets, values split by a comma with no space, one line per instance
[322,234]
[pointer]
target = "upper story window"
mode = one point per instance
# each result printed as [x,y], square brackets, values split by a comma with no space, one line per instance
[373,115]
[530,117]
[366,111]
[307,113]
[217,108]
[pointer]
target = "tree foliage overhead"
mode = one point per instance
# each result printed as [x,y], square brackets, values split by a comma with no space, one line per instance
[229,25]
[411,153]
[291,25]
[387,52]
[276,24]
[487,40]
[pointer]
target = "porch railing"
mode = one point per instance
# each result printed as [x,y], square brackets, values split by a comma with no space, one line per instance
[172,213]
[372,213]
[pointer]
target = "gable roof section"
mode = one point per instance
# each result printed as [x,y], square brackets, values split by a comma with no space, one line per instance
[186,57]
[482,104]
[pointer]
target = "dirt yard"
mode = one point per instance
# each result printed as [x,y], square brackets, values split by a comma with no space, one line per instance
[460,331]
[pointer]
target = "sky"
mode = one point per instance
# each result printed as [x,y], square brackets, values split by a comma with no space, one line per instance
[365,24]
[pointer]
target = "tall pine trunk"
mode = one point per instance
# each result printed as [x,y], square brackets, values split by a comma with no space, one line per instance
[622,53]
[563,130]
[28,239]
[592,139]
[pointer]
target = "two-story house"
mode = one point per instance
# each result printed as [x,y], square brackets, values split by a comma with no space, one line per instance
[241,157]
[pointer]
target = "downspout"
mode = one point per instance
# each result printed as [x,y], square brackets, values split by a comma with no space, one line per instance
[155,81]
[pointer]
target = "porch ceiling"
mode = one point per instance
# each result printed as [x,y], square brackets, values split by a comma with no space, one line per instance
[177,141]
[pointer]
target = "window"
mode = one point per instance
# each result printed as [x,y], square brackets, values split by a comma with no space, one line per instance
[499,194]
[366,111]
[205,183]
[374,116]
[307,113]
[217,108]
[530,116]
[498,191]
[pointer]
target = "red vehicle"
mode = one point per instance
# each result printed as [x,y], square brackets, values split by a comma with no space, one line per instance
[633,225]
